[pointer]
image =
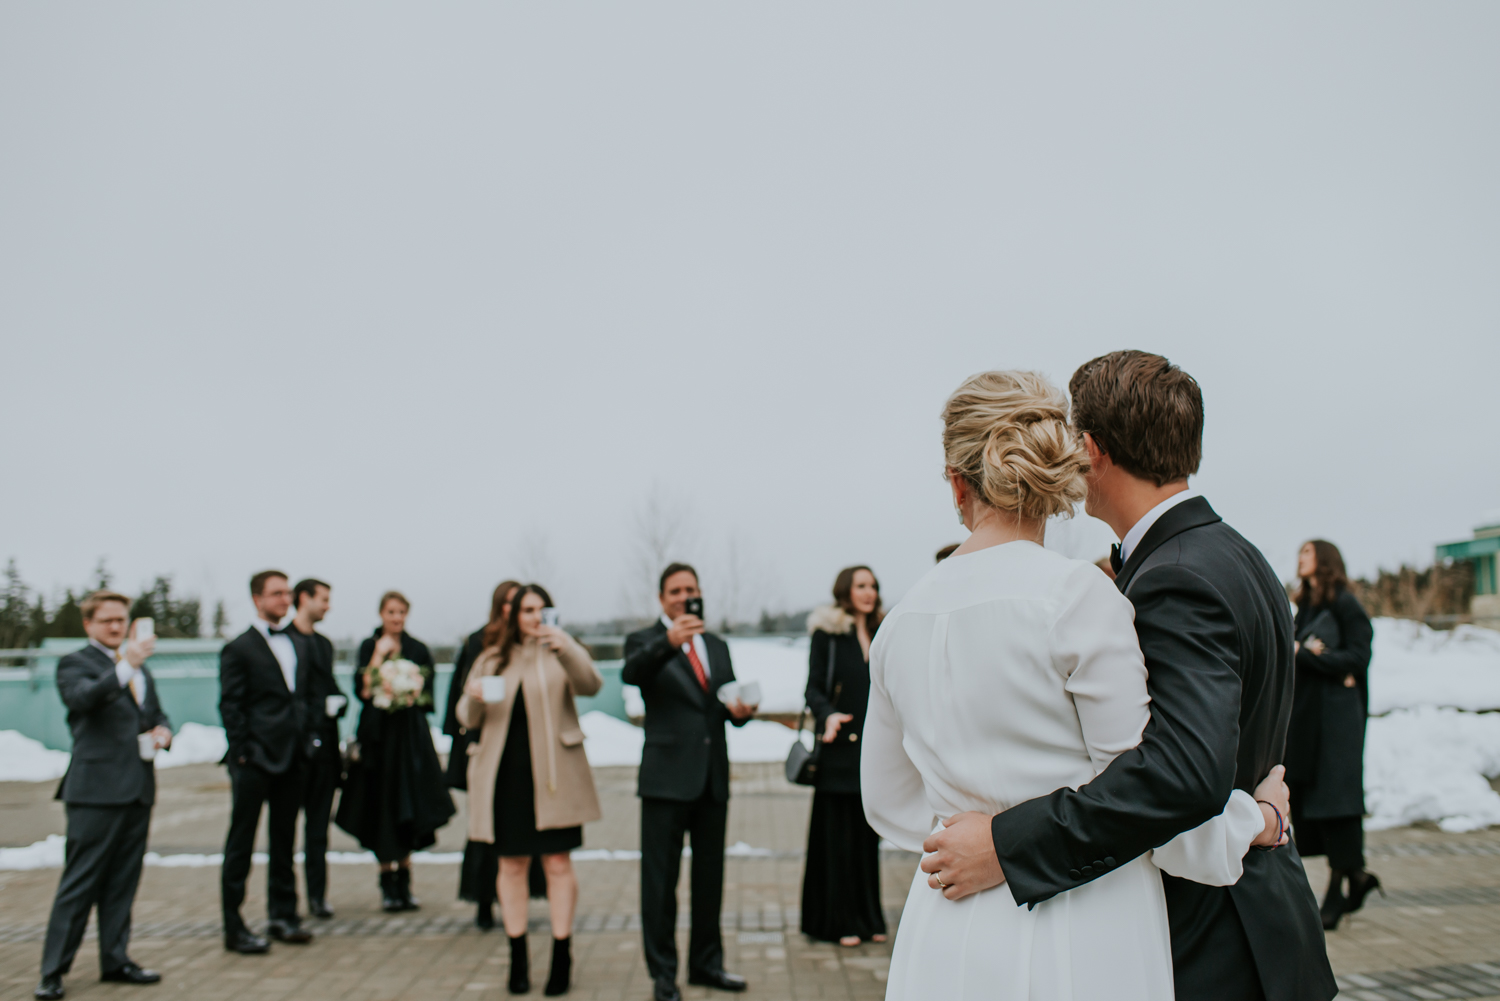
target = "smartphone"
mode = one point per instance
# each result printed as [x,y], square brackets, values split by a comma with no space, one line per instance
[693,606]
[549,617]
[145,628]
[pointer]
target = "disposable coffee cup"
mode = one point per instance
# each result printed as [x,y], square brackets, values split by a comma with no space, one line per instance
[492,688]
[332,704]
[750,693]
[729,691]
[146,742]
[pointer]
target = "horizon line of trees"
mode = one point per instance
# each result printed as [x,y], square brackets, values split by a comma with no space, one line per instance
[26,620]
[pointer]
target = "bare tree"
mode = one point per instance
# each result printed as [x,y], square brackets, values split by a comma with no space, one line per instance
[661,532]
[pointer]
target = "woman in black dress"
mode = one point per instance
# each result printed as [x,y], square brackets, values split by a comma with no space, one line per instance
[841,884]
[1326,740]
[395,798]
[476,878]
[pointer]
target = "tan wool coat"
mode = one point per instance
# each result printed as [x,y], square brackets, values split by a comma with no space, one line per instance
[565,794]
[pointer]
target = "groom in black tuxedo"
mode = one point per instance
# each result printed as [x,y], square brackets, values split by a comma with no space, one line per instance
[684,781]
[264,700]
[1216,632]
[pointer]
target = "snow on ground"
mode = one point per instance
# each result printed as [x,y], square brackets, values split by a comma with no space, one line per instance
[1429,763]
[194,744]
[25,760]
[779,663]
[1417,666]
[611,741]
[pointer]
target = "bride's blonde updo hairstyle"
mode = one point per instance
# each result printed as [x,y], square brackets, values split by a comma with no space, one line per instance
[1007,435]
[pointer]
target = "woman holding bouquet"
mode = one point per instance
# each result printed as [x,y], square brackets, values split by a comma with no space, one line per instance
[530,787]
[395,798]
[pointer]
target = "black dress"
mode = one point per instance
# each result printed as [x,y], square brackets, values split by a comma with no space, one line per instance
[1326,739]
[395,798]
[515,797]
[841,883]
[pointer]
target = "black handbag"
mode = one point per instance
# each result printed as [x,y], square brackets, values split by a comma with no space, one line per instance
[1325,627]
[801,763]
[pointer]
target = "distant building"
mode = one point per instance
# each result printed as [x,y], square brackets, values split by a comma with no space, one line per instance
[1481,552]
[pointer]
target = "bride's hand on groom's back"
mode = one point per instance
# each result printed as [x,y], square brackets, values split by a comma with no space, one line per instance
[1273,792]
[961,857]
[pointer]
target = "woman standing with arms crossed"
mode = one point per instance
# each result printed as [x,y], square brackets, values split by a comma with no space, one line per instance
[1325,747]
[476,878]
[530,786]
[395,798]
[841,884]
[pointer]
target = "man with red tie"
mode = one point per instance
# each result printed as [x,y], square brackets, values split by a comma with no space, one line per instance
[684,781]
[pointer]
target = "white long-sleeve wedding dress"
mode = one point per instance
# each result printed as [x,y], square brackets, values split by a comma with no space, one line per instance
[1005,674]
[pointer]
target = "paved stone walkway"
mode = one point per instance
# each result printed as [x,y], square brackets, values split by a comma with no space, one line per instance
[1435,935]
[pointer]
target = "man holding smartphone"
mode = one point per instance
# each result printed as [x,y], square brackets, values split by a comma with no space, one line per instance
[325,767]
[117,726]
[684,780]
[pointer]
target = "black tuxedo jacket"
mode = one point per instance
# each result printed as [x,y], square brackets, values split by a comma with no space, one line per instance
[1216,630]
[106,768]
[266,723]
[316,651]
[686,754]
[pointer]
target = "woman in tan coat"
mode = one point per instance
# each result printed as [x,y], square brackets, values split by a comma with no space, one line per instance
[530,787]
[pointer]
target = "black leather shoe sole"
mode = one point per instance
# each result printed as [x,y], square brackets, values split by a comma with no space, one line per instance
[49,992]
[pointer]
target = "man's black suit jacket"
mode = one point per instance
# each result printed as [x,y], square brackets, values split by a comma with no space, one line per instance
[686,754]
[266,723]
[106,768]
[316,650]
[1216,630]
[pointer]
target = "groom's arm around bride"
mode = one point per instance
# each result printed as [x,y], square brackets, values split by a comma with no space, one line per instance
[1215,630]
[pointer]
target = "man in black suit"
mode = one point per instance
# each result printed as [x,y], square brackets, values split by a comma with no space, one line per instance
[264,702]
[1215,629]
[684,781]
[328,703]
[110,786]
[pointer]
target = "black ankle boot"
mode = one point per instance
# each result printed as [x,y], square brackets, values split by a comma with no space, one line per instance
[520,966]
[1361,882]
[390,893]
[1334,902]
[562,967]
[403,885]
[484,918]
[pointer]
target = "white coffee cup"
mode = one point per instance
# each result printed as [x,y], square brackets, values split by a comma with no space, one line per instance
[333,703]
[146,743]
[750,693]
[728,692]
[492,688]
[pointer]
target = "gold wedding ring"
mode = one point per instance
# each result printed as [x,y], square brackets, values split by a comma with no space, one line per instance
[940,883]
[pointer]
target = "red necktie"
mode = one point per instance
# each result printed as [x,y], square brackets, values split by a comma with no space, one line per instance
[692,656]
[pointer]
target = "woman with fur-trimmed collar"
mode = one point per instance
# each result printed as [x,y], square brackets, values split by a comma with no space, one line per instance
[841,884]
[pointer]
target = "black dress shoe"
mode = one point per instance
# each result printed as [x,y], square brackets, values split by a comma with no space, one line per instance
[318,908]
[288,931]
[49,988]
[663,989]
[719,980]
[131,974]
[247,944]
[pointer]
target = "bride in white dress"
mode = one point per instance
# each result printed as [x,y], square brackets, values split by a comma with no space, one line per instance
[1007,672]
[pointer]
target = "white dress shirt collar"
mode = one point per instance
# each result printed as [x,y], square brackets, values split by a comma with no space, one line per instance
[111,654]
[1139,529]
[285,653]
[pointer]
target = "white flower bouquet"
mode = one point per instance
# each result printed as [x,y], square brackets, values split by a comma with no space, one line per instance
[398,684]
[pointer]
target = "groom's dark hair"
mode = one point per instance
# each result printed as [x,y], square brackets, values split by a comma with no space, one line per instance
[1142,411]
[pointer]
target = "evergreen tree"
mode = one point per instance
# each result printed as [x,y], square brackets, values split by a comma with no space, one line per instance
[68,620]
[176,618]
[221,620]
[15,610]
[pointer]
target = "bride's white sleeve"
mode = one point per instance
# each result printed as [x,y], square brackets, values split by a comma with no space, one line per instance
[1214,851]
[1094,644]
[894,795]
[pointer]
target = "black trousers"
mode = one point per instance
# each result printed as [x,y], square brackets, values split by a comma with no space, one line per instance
[253,787]
[663,823]
[323,775]
[104,850]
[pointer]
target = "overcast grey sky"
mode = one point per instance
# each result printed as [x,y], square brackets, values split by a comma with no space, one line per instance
[419,296]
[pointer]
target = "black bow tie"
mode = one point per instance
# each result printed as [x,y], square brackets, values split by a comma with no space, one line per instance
[278,632]
[1115,563]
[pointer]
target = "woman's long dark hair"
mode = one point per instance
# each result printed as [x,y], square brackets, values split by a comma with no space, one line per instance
[843,591]
[496,625]
[1328,580]
[513,620]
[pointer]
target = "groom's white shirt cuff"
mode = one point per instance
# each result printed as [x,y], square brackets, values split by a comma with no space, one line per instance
[1214,852]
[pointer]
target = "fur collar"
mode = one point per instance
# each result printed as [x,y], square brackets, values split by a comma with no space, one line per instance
[831,619]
